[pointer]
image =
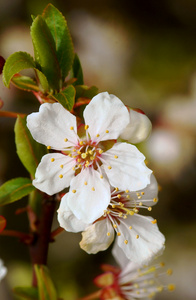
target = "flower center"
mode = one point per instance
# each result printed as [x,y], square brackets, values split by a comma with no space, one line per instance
[86,154]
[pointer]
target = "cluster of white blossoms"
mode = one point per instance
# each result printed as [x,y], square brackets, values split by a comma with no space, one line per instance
[3,270]
[109,182]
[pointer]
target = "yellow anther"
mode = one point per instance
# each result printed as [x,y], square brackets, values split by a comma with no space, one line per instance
[138,194]
[136,286]
[137,236]
[131,213]
[120,214]
[139,197]
[130,227]
[79,159]
[126,191]
[73,168]
[86,127]
[107,131]
[92,158]
[74,191]
[70,155]
[93,189]
[90,152]
[140,204]
[137,292]
[108,233]
[109,167]
[154,221]
[118,233]
[135,210]
[52,159]
[65,140]
[101,176]
[169,272]
[162,264]
[119,196]
[85,183]
[79,152]
[71,128]
[97,135]
[74,150]
[113,205]
[125,217]
[48,147]
[126,242]
[116,189]
[108,212]
[115,156]
[142,193]
[81,143]
[83,155]
[160,288]
[127,196]
[79,166]
[155,200]
[115,226]
[149,208]
[60,176]
[171,287]
[100,151]
[74,156]
[61,166]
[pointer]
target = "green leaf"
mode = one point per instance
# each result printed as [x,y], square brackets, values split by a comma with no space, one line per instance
[15,63]
[46,287]
[60,33]
[29,151]
[45,52]
[76,71]
[28,293]
[15,189]
[25,83]
[66,97]
[43,81]
[85,91]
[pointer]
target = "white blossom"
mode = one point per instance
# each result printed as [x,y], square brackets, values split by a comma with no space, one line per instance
[3,270]
[81,161]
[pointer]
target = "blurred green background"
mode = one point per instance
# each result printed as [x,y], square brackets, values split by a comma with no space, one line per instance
[144,52]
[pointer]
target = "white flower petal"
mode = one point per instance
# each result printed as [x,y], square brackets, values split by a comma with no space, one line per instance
[54,173]
[149,195]
[144,239]
[97,237]
[89,195]
[51,126]
[3,270]
[66,218]
[106,113]
[127,170]
[138,129]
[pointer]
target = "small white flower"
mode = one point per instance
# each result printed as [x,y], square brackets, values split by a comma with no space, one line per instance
[83,160]
[137,235]
[138,129]
[3,270]
[131,281]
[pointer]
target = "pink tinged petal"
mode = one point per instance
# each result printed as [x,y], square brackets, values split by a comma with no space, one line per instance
[52,126]
[125,167]
[138,129]
[106,116]
[66,218]
[54,173]
[149,195]
[89,195]
[97,237]
[144,240]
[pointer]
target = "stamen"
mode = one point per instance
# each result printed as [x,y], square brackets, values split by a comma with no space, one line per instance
[107,131]
[93,189]
[81,143]
[97,135]
[48,147]
[169,272]
[100,151]
[118,234]
[61,166]
[149,208]
[83,155]
[52,159]
[171,287]
[86,127]
[126,191]
[137,236]
[60,176]
[71,128]
[74,191]
[85,183]
[65,140]
[154,221]
[126,242]
[101,176]
[108,233]
[109,167]
[130,227]
[155,200]
[116,156]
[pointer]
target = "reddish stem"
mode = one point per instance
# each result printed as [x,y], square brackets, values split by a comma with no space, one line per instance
[39,248]
[26,238]
[95,295]
[55,232]
[10,114]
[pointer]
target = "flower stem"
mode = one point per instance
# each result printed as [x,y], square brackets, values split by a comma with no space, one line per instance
[42,237]
[56,232]
[10,114]
[95,295]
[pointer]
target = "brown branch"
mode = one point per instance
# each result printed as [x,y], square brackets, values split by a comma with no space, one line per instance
[11,114]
